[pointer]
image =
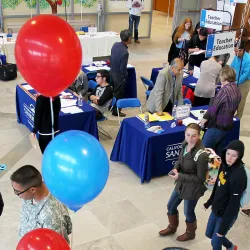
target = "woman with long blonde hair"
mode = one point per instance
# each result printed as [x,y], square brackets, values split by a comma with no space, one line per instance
[181,33]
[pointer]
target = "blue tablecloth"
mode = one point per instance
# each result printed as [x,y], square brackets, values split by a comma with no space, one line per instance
[151,155]
[186,81]
[131,86]
[25,109]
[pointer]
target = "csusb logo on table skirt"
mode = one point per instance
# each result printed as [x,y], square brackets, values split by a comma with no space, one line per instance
[29,112]
[173,152]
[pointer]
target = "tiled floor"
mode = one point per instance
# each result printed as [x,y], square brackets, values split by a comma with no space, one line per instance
[127,215]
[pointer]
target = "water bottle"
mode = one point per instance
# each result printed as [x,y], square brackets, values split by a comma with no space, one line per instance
[146,118]
[174,112]
[79,101]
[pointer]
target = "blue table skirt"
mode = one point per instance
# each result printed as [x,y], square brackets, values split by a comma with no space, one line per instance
[25,110]
[151,155]
[131,86]
[186,81]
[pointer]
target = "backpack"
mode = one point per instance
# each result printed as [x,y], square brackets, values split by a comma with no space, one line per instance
[187,93]
[214,162]
[245,199]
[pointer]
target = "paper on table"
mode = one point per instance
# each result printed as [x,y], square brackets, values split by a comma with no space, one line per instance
[197,72]
[165,117]
[192,84]
[71,110]
[185,75]
[151,117]
[130,66]
[198,114]
[99,62]
[198,52]
[27,87]
[91,68]
[67,103]
[105,68]
[189,120]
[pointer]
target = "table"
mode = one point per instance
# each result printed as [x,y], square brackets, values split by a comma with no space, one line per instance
[186,81]
[151,155]
[99,45]
[92,46]
[131,85]
[25,110]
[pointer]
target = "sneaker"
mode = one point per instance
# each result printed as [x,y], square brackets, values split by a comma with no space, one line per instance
[245,212]
[137,41]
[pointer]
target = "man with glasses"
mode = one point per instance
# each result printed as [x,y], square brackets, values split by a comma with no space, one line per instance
[39,208]
[102,95]
[167,89]
[241,64]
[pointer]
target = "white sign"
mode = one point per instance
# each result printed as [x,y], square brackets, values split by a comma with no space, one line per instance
[240,1]
[227,5]
[219,44]
[182,112]
[92,31]
[211,19]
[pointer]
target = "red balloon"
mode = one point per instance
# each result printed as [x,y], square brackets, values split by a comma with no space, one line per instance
[42,239]
[59,2]
[48,54]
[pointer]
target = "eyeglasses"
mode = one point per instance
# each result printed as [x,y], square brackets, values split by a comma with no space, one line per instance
[98,76]
[21,192]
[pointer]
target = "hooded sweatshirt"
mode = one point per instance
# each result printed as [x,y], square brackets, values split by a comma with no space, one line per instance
[229,187]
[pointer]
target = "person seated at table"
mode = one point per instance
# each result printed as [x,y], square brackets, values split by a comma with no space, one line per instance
[189,176]
[80,85]
[102,95]
[42,120]
[196,44]
[181,34]
[219,117]
[167,89]
[209,77]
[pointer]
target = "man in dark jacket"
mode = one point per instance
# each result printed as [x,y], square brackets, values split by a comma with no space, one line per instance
[226,196]
[197,43]
[118,64]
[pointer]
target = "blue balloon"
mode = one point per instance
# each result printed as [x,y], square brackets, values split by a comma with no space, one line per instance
[75,168]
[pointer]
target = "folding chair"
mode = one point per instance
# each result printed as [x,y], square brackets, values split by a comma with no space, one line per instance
[105,118]
[148,84]
[92,84]
[91,75]
[128,103]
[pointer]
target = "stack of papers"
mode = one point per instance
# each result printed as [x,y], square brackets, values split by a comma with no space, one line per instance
[165,117]
[151,118]
[27,87]
[68,103]
[72,110]
[156,129]
[189,120]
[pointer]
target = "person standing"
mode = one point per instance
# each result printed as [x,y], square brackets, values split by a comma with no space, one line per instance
[167,89]
[135,8]
[118,67]
[42,120]
[226,196]
[39,208]
[209,77]
[189,176]
[219,116]
[181,34]
[241,64]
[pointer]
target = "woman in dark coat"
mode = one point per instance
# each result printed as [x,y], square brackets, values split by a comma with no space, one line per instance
[42,119]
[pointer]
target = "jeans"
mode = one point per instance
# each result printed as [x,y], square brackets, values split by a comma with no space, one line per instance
[134,21]
[189,207]
[213,226]
[214,138]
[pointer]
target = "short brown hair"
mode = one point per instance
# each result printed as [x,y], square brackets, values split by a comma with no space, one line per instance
[194,126]
[228,74]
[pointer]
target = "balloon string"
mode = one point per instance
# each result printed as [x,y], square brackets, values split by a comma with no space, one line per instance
[52,117]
